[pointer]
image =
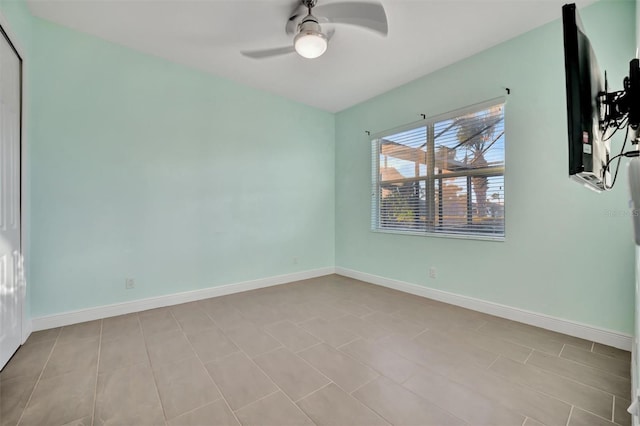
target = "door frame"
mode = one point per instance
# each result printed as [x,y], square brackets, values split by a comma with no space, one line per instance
[5,27]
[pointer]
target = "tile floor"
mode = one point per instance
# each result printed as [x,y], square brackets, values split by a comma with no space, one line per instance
[326,351]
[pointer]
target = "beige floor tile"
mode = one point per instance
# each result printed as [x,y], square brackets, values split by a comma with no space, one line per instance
[351,307]
[366,330]
[196,323]
[186,311]
[293,375]
[273,410]
[261,314]
[29,360]
[332,406]
[329,332]
[583,418]
[240,380]
[79,355]
[421,354]
[128,396]
[291,336]
[585,397]
[400,406]
[550,335]
[184,386]
[226,317]
[438,350]
[346,372]
[440,316]
[498,346]
[466,315]
[60,400]
[463,402]
[84,421]
[158,321]
[252,340]
[396,325]
[381,359]
[530,340]
[620,414]
[516,397]
[76,332]
[295,312]
[191,317]
[380,300]
[215,304]
[211,344]
[168,347]
[43,335]
[122,352]
[619,367]
[215,414]
[531,422]
[157,313]
[321,310]
[456,348]
[120,327]
[612,352]
[590,376]
[14,395]
[238,298]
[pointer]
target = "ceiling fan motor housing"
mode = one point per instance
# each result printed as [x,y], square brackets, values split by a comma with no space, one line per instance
[309,25]
[309,4]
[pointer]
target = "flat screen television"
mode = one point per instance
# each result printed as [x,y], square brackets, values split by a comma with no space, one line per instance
[588,149]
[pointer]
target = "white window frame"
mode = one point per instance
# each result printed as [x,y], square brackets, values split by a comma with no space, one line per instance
[432,177]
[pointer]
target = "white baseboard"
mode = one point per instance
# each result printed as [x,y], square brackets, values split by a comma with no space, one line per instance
[99,312]
[27,328]
[572,328]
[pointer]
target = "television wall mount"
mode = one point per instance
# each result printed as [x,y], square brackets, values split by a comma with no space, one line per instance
[622,108]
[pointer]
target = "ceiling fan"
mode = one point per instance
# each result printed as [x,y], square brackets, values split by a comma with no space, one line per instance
[310,40]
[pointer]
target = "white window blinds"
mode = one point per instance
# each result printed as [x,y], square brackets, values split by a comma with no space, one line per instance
[443,176]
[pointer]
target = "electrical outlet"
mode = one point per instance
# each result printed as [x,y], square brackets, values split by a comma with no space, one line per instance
[129,283]
[295,260]
[433,273]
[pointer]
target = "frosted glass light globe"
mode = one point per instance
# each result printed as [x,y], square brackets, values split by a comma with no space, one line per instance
[310,42]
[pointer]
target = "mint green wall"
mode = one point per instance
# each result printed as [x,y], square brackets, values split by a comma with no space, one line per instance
[146,169]
[143,168]
[19,19]
[563,255]
[637,23]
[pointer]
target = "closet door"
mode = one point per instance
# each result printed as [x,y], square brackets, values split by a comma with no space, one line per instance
[11,277]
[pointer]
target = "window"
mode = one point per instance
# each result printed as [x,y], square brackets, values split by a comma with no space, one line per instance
[443,176]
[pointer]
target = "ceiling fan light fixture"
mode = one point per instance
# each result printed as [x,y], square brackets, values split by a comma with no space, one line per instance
[310,42]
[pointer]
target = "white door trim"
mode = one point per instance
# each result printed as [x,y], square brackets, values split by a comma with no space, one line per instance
[6,27]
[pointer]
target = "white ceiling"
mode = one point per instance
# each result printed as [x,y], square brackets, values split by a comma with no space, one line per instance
[424,35]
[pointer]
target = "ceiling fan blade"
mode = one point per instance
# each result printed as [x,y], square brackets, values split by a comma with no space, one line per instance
[267,53]
[367,15]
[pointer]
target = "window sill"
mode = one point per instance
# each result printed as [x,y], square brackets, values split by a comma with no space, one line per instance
[442,235]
